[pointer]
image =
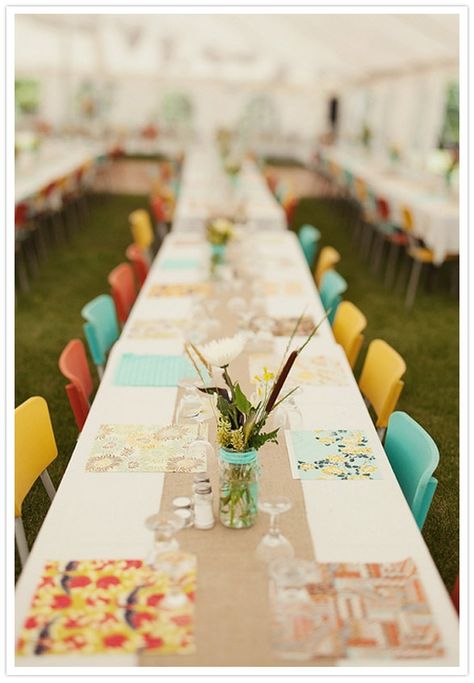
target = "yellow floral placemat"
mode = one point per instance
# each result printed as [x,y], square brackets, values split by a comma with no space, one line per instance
[331,454]
[110,606]
[311,370]
[156,328]
[180,289]
[285,288]
[145,448]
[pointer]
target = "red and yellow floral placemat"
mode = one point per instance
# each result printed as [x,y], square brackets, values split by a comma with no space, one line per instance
[105,606]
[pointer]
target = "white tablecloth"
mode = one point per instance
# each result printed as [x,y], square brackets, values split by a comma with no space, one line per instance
[101,515]
[206,191]
[54,160]
[435,212]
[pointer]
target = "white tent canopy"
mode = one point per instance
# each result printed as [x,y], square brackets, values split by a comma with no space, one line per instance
[221,61]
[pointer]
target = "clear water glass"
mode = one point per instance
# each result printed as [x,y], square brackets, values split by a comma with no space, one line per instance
[165,526]
[274,545]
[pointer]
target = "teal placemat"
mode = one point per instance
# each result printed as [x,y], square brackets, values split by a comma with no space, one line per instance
[179,263]
[153,371]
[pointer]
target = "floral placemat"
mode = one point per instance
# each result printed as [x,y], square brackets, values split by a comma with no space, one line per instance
[179,289]
[110,606]
[145,448]
[283,327]
[285,288]
[331,454]
[368,610]
[156,328]
[310,370]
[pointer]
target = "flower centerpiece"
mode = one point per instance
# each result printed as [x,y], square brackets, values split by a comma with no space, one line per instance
[241,423]
[219,231]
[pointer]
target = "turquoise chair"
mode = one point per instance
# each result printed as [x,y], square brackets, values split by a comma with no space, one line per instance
[332,287]
[414,457]
[309,237]
[101,328]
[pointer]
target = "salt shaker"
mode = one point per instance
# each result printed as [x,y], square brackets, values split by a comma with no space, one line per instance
[182,508]
[203,512]
[200,478]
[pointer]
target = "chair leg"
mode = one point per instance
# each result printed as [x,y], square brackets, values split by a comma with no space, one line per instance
[21,543]
[378,255]
[22,270]
[413,283]
[48,484]
[392,265]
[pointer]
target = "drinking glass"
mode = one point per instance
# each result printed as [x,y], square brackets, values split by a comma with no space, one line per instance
[165,526]
[175,565]
[274,545]
[190,406]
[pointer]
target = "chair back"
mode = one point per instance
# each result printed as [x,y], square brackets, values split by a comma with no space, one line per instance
[158,207]
[101,326]
[414,457]
[349,323]
[332,287]
[73,365]
[327,260]
[408,222]
[309,237]
[380,380]
[139,260]
[35,446]
[123,289]
[141,227]
[383,209]
[289,206]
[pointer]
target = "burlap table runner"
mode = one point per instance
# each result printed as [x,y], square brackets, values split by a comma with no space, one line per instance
[233,619]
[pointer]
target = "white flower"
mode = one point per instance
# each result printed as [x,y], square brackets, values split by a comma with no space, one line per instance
[221,352]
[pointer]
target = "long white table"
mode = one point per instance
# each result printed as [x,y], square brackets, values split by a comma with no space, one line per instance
[101,515]
[207,192]
[54,160]
[435,213]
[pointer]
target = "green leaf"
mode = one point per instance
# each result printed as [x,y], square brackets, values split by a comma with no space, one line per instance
[241,401]
[258,440]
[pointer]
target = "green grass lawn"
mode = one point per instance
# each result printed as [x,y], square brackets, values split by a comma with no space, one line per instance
[427,337]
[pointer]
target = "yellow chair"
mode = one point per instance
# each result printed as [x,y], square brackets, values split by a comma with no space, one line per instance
[347,328]
[380,380]
[142,229]
[327,260]
[35,449]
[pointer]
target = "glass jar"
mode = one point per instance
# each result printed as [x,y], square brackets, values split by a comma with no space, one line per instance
[238,488]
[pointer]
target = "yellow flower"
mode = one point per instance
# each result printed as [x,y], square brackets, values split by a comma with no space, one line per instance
[332,469]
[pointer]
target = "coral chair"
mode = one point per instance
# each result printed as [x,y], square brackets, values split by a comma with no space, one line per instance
[123,289]
[309,237]
[332,287]
[380,380]
[101,329]
[289,206]
[142,230]
[73,364]
[414,457]
[140,263]
[35,449]
[328,258]
[349,323]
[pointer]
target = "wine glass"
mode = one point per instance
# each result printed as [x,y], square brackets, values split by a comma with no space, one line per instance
[175,565]
[190,406]
[165,526]
[274,545]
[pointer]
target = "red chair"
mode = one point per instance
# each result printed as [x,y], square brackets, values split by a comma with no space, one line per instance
[73,365]
[455,594]
[124,292]
[158,208]
[139,261]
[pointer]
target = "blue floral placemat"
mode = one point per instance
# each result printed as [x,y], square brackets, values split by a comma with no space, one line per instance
[331,454]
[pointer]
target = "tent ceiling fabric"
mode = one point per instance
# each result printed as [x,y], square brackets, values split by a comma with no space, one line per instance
[292,49]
